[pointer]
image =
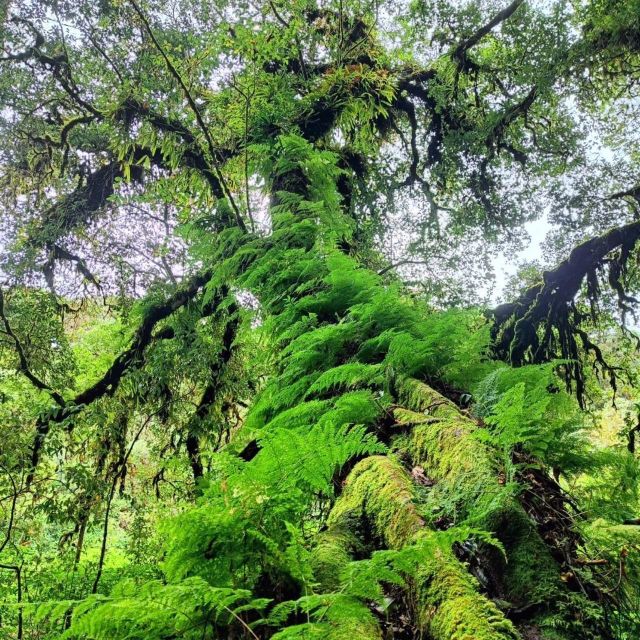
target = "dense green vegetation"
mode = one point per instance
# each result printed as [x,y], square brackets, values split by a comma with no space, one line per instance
[252,381]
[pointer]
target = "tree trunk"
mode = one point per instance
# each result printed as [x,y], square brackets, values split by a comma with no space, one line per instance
[342,331]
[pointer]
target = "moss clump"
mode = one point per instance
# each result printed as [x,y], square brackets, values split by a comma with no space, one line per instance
[346,621]
[333,551]
[444,443]
[531,575]
[379,492]
[353,630]
[405,418]
[450,607]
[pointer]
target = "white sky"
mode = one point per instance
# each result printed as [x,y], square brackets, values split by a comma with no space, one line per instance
[506,266]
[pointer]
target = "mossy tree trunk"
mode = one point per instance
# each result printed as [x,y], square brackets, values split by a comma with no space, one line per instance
[354,331]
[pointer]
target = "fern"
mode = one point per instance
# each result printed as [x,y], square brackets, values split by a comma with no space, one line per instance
[310,458]
[346,377]
[334,615]
[519,407]
[156,611]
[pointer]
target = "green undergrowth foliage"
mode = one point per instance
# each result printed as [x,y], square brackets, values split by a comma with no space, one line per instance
[272,548]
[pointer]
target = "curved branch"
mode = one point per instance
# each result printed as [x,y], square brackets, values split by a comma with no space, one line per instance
[549,305]
[111,379]
[56,252]
[460,52]
[142,338]
[22,357]
[59,66]
[400,263]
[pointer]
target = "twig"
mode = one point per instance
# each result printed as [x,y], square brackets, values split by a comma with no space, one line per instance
[241,621]
[399,264]
[114,483]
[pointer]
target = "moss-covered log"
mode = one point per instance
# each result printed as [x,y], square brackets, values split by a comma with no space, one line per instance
[378,502]
[467,478]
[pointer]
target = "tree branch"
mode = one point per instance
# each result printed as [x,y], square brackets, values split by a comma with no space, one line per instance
[56,252]
[59,65]
[22,357]
[110,380]
[196,112]
[549,306]
[460,52]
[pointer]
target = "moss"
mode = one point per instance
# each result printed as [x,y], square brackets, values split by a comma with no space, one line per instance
[379,491]
[446,440]
[333,551]
[466,470]
[354,630]
[346,618]
[448,605]
[446,446]
[407,418]
[451,608]
[531,575]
